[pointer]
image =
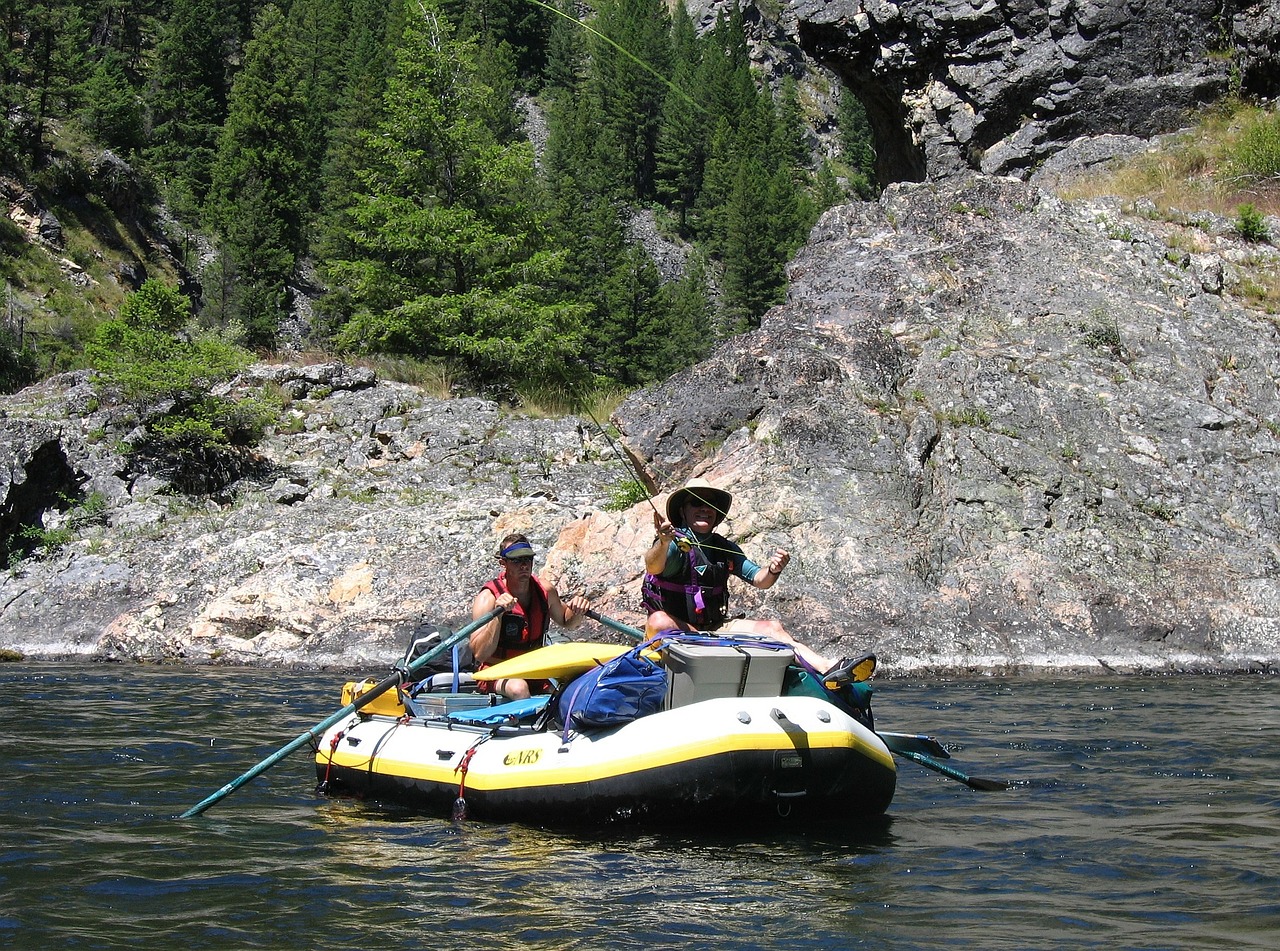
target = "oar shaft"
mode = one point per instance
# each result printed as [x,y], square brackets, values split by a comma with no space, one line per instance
[627,629]
[973,782]
[367,697]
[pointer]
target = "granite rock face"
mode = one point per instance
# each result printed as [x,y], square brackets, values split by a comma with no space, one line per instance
[951,87]
[996,431]
[994,428]
[379,508]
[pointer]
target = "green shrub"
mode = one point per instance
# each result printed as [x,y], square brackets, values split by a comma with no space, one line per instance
[1251,224]
[34,540]
[1255,154]
[151,357]
[1102,332]
[623,495]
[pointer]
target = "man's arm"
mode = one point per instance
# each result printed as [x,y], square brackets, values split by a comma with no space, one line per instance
[484,640]
[568,614]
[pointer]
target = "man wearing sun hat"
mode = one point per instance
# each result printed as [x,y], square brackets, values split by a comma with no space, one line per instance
[529,607]
[687,571]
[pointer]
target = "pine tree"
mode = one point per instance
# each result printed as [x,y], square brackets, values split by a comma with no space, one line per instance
[257,200]
[718,180]
[682,139]
[788,134]
[827,191]
[856,148]
[624,342]
[189,98]
[647,329]
[111,111]
[754,279]
[496,69]
[368,59]
[725,85]
[686,304]
[317,36]
[451,259]
[43,66]
[126,28]
[566,52]
[522,28]
[629,93]
[788,214]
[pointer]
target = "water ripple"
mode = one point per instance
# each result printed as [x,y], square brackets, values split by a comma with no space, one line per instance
[1143,814]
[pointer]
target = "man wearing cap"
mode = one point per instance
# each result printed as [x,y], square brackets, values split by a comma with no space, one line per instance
[688,568]
[528,606]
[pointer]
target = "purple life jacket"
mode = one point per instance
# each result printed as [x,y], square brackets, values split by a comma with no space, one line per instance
[700,597]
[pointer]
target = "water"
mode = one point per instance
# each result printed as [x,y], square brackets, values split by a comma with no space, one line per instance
[1145,814]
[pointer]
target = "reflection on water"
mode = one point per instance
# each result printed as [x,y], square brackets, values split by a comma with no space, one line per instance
[1143,815]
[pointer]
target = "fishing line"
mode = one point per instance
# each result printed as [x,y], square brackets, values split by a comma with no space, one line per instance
[625,52]
[683,542]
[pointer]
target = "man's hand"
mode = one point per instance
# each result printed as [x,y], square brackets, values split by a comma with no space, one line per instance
[576,607]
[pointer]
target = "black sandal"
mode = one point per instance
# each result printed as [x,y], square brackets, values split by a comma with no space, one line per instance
[850,670]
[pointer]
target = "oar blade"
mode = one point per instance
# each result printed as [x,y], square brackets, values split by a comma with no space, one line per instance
[987,785]
[365,698]
[916,743]
[973,782]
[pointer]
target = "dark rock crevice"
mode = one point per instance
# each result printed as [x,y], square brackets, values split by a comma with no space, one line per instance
[48,482]
[1002,89]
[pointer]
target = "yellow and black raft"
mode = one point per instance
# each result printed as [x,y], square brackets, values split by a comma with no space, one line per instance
[718,730]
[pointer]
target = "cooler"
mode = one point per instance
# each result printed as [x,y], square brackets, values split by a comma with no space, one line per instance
[440,704]
[702,672]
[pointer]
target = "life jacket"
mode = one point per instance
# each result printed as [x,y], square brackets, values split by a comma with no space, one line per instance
[701,595]
[520,631]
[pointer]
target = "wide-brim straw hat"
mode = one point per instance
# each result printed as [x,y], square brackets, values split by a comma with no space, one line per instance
[718,499]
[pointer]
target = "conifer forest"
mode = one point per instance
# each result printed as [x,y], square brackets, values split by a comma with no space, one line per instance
[456,179]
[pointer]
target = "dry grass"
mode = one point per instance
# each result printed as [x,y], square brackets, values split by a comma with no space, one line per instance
[1231,158]
[435,379]
[1228,165]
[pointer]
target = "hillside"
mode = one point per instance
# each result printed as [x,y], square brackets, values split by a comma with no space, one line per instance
[997,430]
[394,181]
[1004,422]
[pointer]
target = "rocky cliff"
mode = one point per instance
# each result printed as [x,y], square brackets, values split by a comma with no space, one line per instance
[996,430]
[954,85]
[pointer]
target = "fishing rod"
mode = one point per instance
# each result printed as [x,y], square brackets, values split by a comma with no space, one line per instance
[684,542]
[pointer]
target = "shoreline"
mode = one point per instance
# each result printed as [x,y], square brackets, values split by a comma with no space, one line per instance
[908,670]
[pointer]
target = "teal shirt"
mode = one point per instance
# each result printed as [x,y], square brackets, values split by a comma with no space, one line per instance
[716,549]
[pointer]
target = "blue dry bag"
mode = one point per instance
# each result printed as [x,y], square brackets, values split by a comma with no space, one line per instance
[622,690]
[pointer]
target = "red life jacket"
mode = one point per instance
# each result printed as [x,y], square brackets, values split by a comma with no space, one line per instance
[520,631]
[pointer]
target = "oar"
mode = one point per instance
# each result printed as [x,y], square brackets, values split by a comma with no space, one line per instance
[916,743]
[908,747]
[314,733]
[627,629]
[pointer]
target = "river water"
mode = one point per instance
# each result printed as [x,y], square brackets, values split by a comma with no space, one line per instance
[1145,813]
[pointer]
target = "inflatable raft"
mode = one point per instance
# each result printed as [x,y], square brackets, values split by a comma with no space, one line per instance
[724,732]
